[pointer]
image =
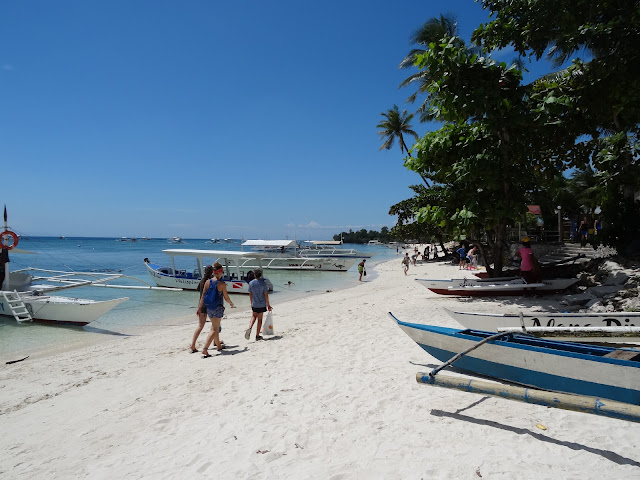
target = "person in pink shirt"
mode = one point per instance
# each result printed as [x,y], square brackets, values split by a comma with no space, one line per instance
[529,265]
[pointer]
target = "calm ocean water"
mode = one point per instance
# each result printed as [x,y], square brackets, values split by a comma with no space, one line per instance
[146,309]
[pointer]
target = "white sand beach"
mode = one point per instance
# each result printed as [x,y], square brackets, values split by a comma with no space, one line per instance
[333,395]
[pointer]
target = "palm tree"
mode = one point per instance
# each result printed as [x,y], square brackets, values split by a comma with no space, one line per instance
[394,126]
[432,31]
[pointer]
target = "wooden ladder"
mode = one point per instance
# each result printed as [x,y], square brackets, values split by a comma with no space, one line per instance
[16,306]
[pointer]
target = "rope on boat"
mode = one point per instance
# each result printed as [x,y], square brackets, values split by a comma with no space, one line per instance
[458,356]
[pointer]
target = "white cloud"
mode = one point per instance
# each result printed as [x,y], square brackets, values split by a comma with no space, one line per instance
[315,225]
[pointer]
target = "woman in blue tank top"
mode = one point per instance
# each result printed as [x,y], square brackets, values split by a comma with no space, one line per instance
[215,311]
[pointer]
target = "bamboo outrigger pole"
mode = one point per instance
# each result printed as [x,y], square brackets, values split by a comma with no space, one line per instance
[579,403]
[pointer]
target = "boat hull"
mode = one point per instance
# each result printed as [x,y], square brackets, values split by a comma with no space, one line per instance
[190,283]
[492,322]
[483,289]
[63,310]
[302,263]
[545,364]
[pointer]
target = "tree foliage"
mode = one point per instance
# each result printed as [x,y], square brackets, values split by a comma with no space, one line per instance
[597,98]
[364,236]
[484,158]
[505,144]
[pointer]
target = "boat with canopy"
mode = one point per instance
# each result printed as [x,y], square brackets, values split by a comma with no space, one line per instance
[283,255]
[237,266]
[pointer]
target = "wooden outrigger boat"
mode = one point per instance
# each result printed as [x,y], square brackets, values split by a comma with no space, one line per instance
[609,327]
[594,376]
[480,287]
[237,266]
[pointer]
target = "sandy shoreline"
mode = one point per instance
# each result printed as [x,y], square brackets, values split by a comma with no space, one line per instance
[333,395]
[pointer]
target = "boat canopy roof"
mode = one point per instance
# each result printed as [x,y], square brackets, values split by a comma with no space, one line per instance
[269,243]
[188,252]
[324,242]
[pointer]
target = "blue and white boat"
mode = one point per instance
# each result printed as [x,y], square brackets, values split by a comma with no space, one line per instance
[236,271]
[567,367]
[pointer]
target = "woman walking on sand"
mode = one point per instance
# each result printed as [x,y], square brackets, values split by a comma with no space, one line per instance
[202,310]
[405,262]
[215,311]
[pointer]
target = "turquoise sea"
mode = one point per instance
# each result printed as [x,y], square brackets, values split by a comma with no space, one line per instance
[146,309]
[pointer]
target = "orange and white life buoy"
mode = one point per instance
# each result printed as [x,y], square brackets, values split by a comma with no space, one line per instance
[8,233]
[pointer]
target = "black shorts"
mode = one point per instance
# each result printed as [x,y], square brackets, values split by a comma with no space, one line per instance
[259,309]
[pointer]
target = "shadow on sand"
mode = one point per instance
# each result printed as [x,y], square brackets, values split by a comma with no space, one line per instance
[608,454]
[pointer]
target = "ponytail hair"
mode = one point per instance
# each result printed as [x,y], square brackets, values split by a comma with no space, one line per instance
[208,273]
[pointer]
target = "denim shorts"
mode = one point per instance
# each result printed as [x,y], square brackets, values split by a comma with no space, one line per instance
[217,312]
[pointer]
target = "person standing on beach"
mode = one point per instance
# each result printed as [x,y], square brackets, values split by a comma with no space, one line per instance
[529,268]
[259,298]
[462,252]
[202,310]
[405,262]
[583,231]
[361,269]
[215,312]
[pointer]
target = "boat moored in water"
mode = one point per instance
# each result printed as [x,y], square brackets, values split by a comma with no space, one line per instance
[237,266]
[282,255]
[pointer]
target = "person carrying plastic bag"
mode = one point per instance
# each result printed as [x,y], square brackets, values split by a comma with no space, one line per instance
[259,297]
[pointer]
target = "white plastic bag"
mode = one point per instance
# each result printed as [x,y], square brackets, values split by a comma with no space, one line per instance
[267,325]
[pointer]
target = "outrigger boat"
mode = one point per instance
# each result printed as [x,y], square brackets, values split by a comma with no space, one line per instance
[329,249]
[463,282]
[601,380]
[25,297]
[27,301]
[479,287]
[277,256]
[609,327]
[30,294]
[237,266]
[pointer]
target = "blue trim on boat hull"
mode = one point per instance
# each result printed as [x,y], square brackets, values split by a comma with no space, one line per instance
[535,379]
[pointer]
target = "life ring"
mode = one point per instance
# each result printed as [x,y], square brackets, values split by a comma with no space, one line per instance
[11,234]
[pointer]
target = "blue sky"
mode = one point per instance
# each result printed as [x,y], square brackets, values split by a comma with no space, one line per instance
[205,119]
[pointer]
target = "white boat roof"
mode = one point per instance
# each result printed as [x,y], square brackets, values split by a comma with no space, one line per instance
[269,243]
[324,242]
[188,252]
